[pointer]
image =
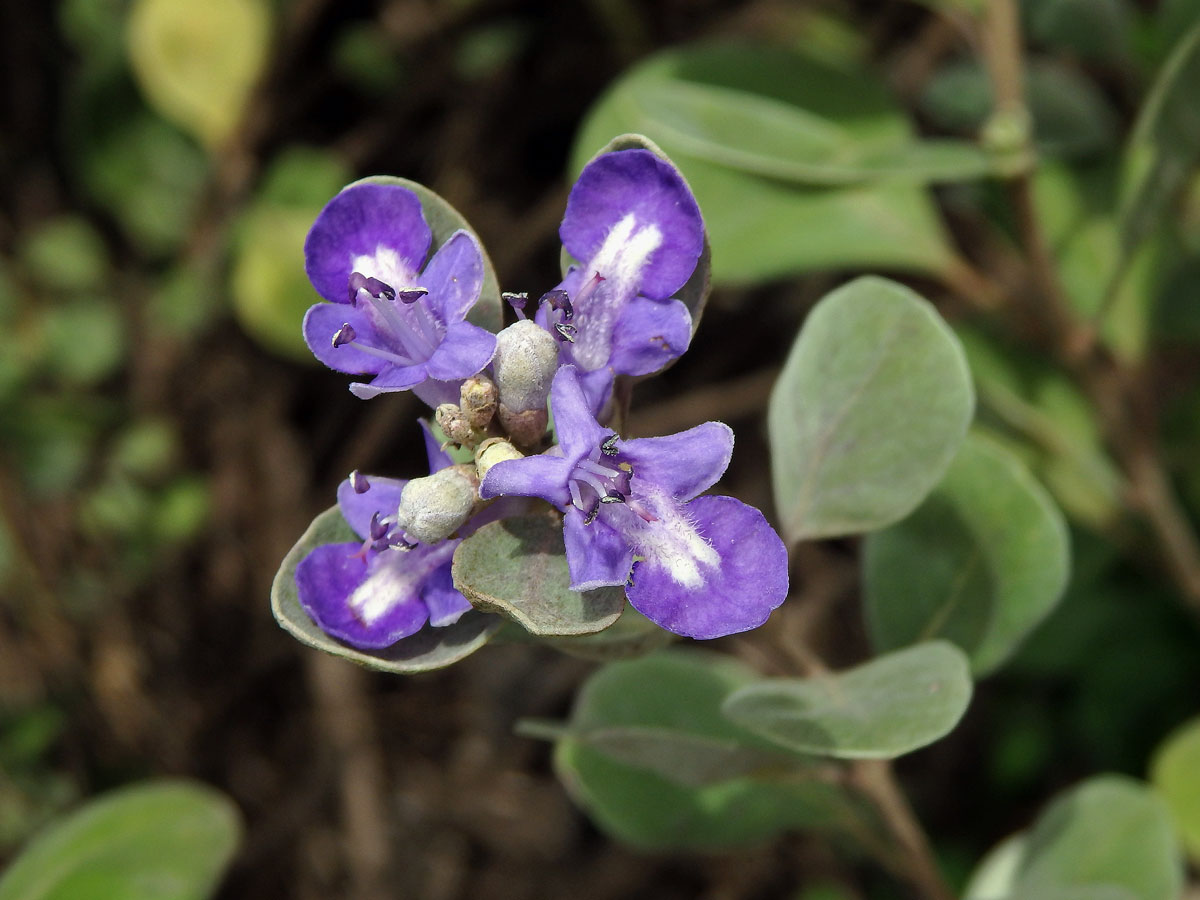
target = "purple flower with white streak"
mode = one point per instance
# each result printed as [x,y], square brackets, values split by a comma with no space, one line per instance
[702,567]
[635,228]
[387,316]
[372,594]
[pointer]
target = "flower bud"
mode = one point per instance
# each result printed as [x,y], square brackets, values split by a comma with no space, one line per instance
[455,425]
[434,507]
[525,362]
[478,400]
[492,451]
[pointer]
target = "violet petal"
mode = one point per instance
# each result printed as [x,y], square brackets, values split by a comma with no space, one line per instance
[358,222]
[333,575]
[597,556]
[684,464]
[383,497]
[463,352]
[738,594]
[323,320]
[638,183]
[649,334]
[454,277]
[534,476]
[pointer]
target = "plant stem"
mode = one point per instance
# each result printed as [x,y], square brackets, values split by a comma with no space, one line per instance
[915,863]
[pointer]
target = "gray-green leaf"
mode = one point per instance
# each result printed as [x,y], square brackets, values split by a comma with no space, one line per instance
[518,568]
[429,648]
[980,563]
[167,840]
[1106,839]
[761,227]
[868,412]
[880,710]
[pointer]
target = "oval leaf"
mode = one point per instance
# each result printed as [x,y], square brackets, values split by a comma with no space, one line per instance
[1108,837]
[759,226]
[880,710]
[197,62]
[443,220]
[170,840]
[980,563]
[1175,773]
[649,755]
[518,568]
[429,648]
[870,408]
[767,137]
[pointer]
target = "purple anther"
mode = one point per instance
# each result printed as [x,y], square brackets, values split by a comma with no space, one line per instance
[344,335]
[411,295]
[358,281]
[358,481]
[378,528]
[566,332]
[377,288]
[398,542]
[560,300]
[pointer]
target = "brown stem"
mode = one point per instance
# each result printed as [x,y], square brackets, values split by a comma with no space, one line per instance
[915,863]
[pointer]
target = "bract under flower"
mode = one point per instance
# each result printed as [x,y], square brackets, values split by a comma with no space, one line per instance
[634,225]
[373,594]
[702,567]
[390,315]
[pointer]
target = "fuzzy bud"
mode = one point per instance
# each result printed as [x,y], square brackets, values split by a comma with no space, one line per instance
[492,451]
[434,507]
[525,362]
[455,425]
[478,400]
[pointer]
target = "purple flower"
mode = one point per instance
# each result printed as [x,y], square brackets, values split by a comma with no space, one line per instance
[635,227]
[387,316]
[370,595]
[702,567]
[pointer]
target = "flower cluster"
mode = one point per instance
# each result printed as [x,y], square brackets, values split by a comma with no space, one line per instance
[633,514]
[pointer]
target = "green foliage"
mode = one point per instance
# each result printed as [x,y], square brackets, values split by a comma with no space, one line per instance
[868,412]
[1071,117]
[885,708]
[1175,773]
[1106,839]
[516,568]
[166,840]
[430,648]
[197,62]
[981,562]
[735,118]
[650,757]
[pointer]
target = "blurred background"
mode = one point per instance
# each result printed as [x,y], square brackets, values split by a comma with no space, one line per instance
[165,436]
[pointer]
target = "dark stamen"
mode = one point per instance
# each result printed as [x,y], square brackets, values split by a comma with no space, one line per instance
[359,482]
[411,295]
[609,446]
[559,299]
[566,332]
[592,513]
[378,527]
[613,497]
[344,335]
[358,281]
[377,288]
